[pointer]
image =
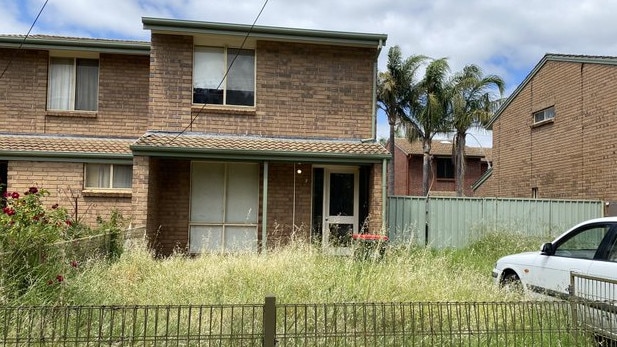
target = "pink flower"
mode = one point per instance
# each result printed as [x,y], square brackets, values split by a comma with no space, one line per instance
[33,190]
[60,278]
[74,263]
[54,206]
[15,195]
[69,223]
[9,211]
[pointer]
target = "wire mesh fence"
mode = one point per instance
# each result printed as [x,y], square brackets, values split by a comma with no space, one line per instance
[530,323]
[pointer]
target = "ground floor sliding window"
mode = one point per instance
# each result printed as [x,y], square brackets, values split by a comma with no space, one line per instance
[224,207]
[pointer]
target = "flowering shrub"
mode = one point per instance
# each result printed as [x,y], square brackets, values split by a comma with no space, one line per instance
[27,227]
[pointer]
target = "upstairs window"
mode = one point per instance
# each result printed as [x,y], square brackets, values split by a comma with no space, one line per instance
[445,168]
[73,84]
[544,115]
[212,86]
[108,176]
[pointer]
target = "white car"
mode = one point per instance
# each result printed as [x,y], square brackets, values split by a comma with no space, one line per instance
[588,250]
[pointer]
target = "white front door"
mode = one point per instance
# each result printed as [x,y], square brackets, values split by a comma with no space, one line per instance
[340,215]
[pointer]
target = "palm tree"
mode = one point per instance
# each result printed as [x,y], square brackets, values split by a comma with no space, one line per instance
[393,88]
[472,105]
[429,110]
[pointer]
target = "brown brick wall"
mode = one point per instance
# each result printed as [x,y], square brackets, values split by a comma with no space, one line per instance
[123,101]
[401,172]
[281,203]
[23,91]
[302,90]
[571,158]
[64,181]
[171,78]
[376,203]
[171,204]
[123,97]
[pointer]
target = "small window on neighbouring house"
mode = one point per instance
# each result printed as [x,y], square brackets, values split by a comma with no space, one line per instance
[445,168]
[534,192]
[224,76]
[544,115]
[73,84]
[108,176]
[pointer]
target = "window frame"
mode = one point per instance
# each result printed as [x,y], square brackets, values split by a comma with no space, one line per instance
[548,115]
[110,186]
[74,85]
[438,171]
[226,75]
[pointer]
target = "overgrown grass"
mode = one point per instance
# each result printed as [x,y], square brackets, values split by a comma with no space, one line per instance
[298,274]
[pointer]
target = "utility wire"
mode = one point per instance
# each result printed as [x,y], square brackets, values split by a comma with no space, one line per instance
[248,33]
[24,40]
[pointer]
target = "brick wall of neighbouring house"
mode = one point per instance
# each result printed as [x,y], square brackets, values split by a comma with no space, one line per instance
[573,157]
[123,97]
[302,90]
[401,175]
[285,194]
[64,181]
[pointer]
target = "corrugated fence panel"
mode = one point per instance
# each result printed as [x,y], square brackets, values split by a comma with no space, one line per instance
[451,220]
[455,222]
[408,218]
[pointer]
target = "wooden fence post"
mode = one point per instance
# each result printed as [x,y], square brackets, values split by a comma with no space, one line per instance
[269,328]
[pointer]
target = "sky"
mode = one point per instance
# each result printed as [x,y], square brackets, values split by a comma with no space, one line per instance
[503,37]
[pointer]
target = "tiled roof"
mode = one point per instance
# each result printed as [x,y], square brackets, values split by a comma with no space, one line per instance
[439,148]
[50,144]
[253,145]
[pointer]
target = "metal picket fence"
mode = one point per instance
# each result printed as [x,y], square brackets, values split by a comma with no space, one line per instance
[532,323]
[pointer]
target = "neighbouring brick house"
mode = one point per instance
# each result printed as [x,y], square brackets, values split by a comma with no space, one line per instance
[204,153]
[553,137]
[408,161]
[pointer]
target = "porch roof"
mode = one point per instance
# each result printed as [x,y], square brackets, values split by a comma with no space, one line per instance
[59,147]
[211,146]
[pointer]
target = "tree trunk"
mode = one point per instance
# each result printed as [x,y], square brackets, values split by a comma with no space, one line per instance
[459,163]
[391,164]
[426,165]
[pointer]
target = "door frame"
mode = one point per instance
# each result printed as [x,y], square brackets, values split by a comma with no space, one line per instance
[327,219]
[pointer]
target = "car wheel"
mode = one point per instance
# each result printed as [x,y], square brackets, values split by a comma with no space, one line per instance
[512,283]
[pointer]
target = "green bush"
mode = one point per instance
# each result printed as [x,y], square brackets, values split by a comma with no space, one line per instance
[27,227]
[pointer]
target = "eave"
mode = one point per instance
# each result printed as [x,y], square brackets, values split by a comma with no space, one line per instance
[175,26]
[579,59]
[75,44]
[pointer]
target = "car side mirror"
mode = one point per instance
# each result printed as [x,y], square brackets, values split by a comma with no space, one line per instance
[547,249]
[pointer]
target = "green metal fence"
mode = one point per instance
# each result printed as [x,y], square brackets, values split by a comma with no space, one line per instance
[271,324]
[455,222]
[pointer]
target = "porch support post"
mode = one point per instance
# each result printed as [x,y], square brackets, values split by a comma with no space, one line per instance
[264,210]
[384,193]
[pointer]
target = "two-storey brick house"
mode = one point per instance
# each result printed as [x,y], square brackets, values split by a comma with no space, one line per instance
[241,138]
[553,137]
[409,160]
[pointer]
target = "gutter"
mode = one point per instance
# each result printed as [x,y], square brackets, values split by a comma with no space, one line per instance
[164,25]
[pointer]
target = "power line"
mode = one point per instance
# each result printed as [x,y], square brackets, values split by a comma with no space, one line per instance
[24,40]
[248,33]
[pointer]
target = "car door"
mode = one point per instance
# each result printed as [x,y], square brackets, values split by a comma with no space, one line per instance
[575,251]
[601,289]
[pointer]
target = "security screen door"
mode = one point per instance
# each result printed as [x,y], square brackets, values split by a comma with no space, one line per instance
[224,207]
[340,209]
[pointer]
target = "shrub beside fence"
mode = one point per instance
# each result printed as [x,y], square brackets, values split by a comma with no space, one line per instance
[271,324]
[443,222]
